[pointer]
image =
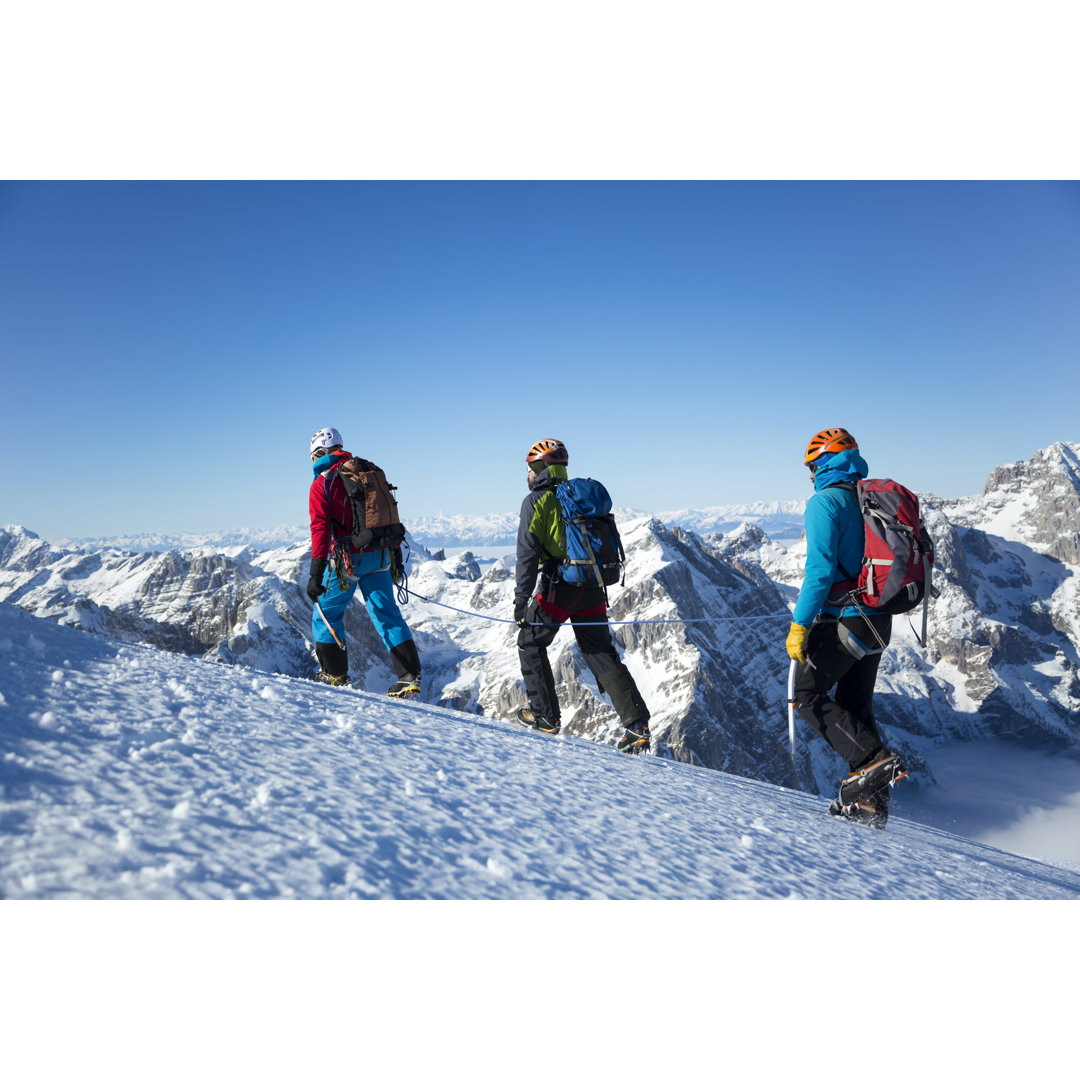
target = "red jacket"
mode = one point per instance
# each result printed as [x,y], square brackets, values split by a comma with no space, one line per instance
[323,531]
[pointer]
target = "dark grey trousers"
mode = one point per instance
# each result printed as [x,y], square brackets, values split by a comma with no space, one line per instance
[598,649]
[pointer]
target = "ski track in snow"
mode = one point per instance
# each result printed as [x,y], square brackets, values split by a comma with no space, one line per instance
[127,772]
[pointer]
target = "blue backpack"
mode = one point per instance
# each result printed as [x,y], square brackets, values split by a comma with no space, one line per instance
[594,551]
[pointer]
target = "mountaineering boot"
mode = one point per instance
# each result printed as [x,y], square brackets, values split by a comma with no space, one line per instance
[882,772]
[548,725]
[331,680]
[333,664]
[636,738]
[864,794]
[872,810]
[407,686]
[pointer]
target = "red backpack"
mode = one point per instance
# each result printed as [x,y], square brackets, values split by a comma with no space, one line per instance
[899,554]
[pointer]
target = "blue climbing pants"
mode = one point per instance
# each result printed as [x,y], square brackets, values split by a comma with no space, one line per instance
[373,580]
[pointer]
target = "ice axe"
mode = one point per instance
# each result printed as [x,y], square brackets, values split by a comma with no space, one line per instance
[791,709]
[318,608]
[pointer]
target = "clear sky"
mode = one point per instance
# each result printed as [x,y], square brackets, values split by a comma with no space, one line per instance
[169,348]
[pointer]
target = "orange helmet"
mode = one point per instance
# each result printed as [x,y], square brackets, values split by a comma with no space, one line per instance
[549,451]
[830,441]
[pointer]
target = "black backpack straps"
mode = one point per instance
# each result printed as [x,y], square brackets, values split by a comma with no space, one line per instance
[618,538]
[610,518]
[583,524]
[848,575]
[926,551]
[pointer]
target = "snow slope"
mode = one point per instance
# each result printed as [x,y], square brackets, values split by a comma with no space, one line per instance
[127,772]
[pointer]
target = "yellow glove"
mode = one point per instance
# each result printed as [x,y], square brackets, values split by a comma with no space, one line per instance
[796,642]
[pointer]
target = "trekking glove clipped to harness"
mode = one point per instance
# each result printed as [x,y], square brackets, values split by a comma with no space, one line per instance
[796,642]
[315,586]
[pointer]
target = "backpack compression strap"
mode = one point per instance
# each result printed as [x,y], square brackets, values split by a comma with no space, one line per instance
[579,520]
[591,560]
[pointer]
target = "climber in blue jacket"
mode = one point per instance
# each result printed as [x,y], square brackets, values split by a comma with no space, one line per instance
[826,619]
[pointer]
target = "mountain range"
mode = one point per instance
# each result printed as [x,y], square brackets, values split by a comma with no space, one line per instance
[1001,661]
[781,520]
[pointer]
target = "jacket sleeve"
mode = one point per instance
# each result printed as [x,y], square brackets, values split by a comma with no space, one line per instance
[822,547]
[319,513]
[529,552]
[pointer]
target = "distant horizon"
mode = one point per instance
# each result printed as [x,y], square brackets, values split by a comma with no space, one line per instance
[507,515]
[301,525]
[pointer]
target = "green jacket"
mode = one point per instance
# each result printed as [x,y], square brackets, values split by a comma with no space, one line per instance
[541,541]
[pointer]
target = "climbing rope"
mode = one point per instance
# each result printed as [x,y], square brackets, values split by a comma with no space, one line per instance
[404,593]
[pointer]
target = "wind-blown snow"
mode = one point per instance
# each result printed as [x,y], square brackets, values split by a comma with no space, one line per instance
[131,773]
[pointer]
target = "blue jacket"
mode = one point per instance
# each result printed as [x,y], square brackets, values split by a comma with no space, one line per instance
[835,536]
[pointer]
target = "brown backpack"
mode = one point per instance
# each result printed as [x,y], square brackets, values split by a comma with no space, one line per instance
[376,523]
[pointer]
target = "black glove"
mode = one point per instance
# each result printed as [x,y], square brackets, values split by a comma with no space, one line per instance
[519,615]
[315,586]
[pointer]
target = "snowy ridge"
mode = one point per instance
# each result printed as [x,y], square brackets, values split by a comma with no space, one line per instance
[132,773]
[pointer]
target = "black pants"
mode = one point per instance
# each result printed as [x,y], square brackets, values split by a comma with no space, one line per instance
[597,647]
[846,720]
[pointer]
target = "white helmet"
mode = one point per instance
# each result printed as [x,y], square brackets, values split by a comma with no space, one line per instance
[323,439]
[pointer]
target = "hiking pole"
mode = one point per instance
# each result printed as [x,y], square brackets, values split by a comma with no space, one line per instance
[318,608]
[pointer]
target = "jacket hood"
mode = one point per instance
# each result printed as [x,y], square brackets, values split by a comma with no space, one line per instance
[846,467]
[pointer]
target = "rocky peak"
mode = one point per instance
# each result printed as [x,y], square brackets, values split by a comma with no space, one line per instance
[745,538]
[1060,462]
[21,549]
[1045,492]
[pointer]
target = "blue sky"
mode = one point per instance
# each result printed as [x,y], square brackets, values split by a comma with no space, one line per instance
[168,348]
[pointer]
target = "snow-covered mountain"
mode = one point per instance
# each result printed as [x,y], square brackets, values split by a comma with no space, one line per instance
[256,539]
[1035,503]
[129,772]
[462,530]
[779,520]
[1002,660]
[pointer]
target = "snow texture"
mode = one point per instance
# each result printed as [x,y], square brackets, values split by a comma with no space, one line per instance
[128,772]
